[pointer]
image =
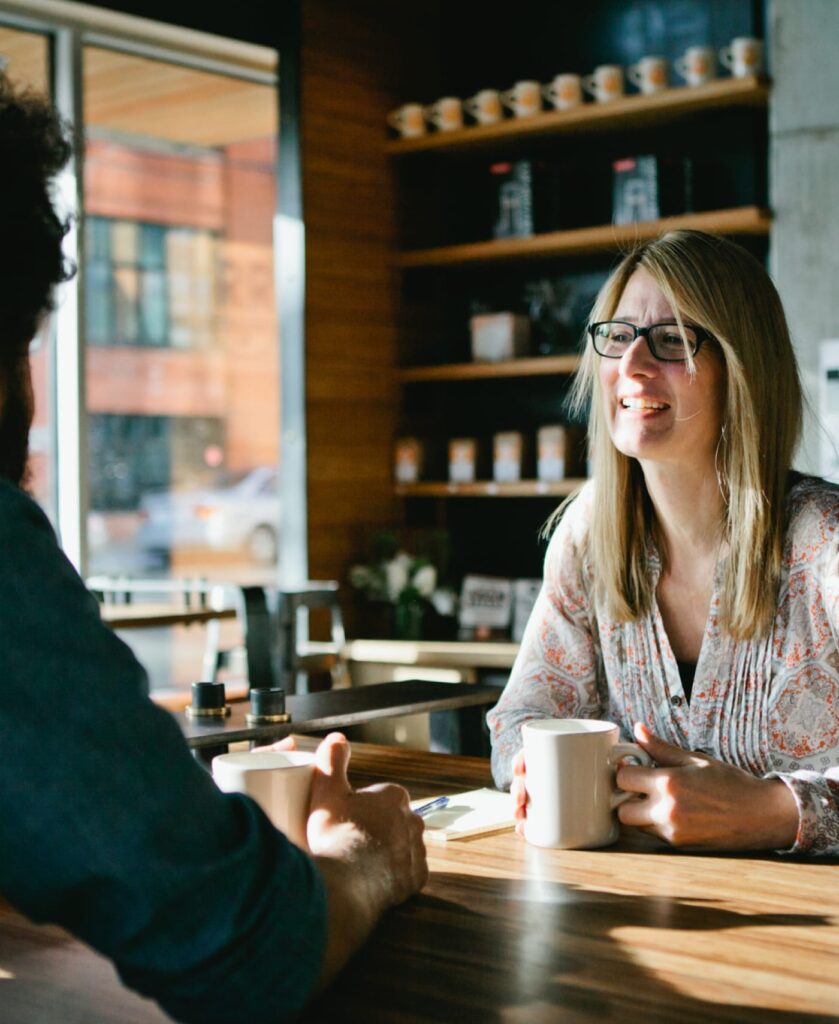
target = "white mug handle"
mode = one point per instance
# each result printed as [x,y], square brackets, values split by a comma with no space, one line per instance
[619,752]
[633,73]
[589,84]
[680,66]
[394,119]
[548,92]
[431,115]
[471,106]
[727,58]
[508,99]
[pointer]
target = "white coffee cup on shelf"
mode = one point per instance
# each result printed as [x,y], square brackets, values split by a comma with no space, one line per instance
[564,92]
[524,98]
[280,781]
[408,120]
[446,114]
[650,74]
[572,798]
[697,65]
[605,83]
[485,106]
[743,57]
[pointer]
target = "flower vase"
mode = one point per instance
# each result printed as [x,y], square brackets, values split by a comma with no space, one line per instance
[407,620]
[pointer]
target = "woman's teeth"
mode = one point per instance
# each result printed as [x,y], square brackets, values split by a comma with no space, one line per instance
[641,403]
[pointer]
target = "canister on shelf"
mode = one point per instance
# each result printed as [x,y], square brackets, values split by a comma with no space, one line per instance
[560,452]
[499,336]
[508,456]
[463,460]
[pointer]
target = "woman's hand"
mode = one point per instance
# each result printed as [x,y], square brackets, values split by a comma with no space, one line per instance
[694,800]
[519,792]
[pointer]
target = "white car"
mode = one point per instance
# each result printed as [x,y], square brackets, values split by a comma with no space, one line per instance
[240,513]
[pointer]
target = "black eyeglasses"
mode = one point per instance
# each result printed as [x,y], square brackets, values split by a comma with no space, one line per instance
[611,338]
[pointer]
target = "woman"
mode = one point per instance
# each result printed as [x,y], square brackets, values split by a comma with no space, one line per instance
[691,589]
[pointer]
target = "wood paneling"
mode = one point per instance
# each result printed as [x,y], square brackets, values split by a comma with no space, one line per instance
[351,67]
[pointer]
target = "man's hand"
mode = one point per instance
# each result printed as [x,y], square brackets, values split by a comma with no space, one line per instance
[368,846]
[694,800]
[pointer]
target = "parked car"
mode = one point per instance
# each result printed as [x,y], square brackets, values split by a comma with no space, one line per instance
[239,512]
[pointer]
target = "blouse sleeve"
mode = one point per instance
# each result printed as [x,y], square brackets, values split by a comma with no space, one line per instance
[816,787]
[554,674]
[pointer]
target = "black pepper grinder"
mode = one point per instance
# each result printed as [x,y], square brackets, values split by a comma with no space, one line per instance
[267,706]
[208,705]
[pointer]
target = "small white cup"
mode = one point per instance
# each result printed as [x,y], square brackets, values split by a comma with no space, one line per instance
[605,83]
[697,65]
[524,98]
[484,106]
[564,92]
[650,74]
[408,120]
[446,114]
[279,781]
[570,781]
[743,57]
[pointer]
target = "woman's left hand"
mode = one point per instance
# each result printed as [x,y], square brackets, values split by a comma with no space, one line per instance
[694,800]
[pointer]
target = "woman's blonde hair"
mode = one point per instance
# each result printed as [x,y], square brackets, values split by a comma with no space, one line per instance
[716,284]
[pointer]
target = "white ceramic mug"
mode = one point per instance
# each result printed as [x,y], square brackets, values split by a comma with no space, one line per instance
[570,781]
[650,74]
[484,106]
[524,98]
[743,57]
[408,120]
[564,91]
[605,83]
[446,114]
[280,781]
[697,65]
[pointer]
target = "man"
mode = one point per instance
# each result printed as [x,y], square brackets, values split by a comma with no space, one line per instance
[109,827]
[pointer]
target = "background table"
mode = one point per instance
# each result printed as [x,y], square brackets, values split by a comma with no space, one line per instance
[506,934]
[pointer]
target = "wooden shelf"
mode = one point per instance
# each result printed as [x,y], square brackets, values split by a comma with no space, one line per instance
[628,112]
[490,489]
[744,220]
[536,367]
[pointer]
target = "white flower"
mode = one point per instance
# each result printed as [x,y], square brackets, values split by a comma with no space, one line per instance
[425,580]
[396,576]
[444,601]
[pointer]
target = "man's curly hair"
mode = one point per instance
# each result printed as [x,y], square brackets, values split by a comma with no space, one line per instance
[34,146]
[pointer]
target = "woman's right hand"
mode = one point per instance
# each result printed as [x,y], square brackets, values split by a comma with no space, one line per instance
[519,792]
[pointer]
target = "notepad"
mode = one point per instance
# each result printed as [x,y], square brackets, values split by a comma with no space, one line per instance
[469,814]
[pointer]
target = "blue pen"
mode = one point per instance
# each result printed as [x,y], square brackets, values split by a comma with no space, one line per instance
[433,805]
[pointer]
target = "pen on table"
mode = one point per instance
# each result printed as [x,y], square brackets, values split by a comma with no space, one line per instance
[433,805]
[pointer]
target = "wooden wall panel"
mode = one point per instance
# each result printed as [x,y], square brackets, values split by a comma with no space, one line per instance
[351,78]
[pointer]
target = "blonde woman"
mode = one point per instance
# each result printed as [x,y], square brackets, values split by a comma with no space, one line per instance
[691,589]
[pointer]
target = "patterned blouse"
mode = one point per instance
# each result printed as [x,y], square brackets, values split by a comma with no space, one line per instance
[769,706]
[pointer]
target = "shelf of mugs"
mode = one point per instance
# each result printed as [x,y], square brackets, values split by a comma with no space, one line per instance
[743,220]
[491,489]
[537,366]
[618,114]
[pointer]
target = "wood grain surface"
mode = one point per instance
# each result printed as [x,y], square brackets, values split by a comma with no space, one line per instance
[506,933]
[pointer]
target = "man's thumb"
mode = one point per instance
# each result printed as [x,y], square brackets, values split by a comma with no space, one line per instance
[331,759]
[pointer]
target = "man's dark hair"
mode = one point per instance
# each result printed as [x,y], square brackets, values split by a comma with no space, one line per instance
[34,146]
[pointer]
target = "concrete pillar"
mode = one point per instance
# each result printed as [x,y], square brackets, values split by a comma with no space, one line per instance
[804,184]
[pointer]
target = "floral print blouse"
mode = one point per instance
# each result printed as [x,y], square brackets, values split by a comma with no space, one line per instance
[769,706]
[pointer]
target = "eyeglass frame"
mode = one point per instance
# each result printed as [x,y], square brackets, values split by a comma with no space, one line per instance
[644,332]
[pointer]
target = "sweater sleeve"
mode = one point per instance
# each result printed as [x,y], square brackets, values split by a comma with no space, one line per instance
[555,671]
[112,830]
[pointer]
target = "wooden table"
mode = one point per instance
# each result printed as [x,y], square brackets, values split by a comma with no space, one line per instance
[156,616]
[508,934]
